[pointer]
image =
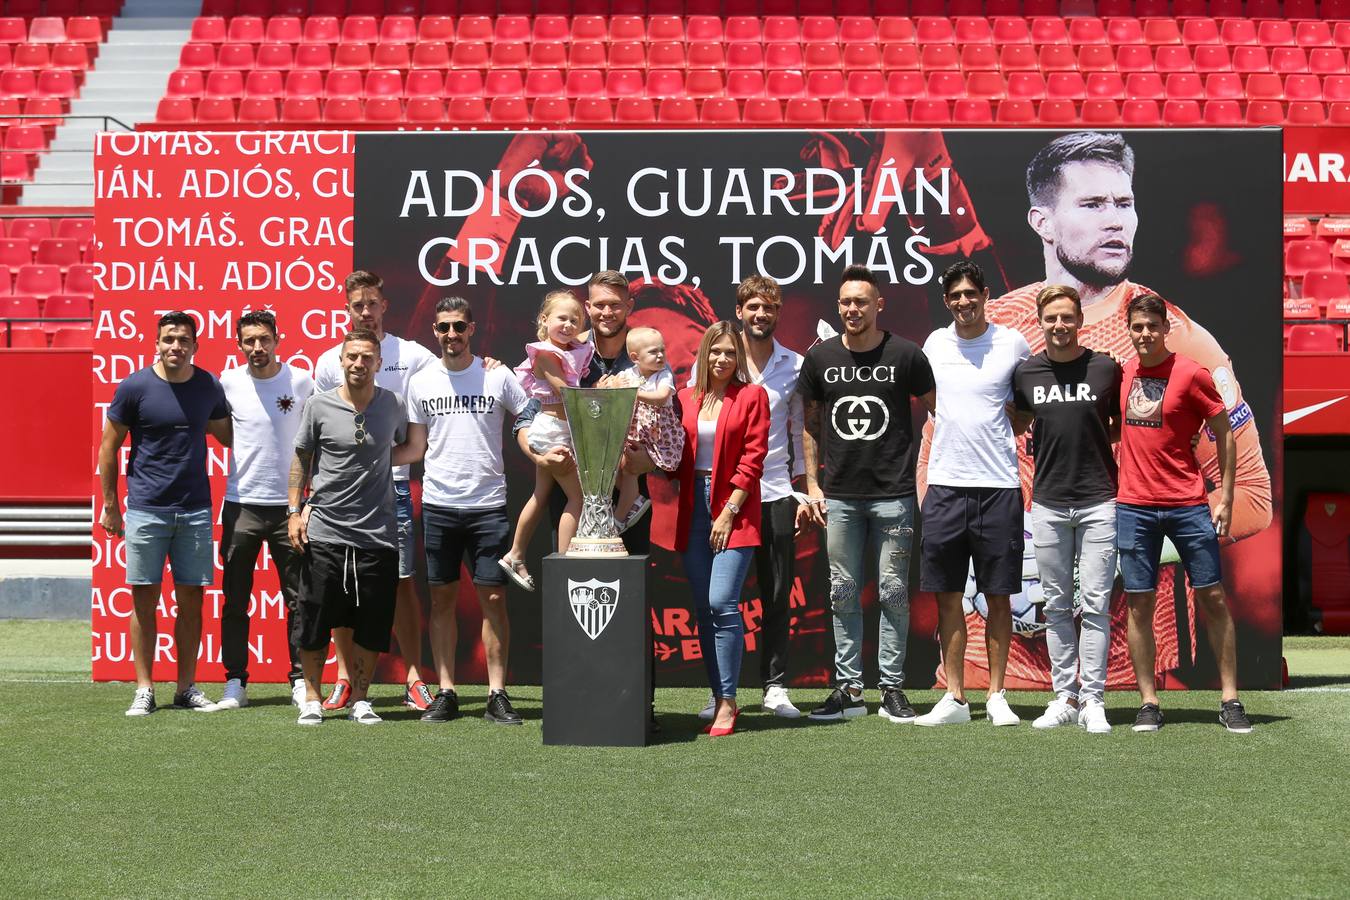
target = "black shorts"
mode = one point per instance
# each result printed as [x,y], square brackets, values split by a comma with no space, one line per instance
[965,524]
[347,587]
[485,534]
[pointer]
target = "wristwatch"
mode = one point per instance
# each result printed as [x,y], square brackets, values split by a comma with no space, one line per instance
[735,510]
[295,510]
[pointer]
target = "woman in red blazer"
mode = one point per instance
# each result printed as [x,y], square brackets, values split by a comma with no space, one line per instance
[726,434]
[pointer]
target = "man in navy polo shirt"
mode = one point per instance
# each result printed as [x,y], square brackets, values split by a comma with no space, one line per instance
[168,409]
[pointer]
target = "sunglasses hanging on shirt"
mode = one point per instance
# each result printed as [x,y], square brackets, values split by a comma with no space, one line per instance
[360,422]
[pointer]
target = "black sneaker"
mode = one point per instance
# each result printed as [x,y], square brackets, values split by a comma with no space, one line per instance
[444,707]
[895,706]
[500,710]
[1150,718]
[841,704]
[1233,717]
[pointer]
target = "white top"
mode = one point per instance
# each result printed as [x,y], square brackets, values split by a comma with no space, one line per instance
[464,413]
[266,414]
[784,460]
[703,456]
[399,360]
[973,443]
[663,377]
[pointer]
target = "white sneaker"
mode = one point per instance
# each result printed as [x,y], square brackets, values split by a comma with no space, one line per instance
[997,710]
[311,713]
[776,701]
[298,694]
[709,710]
[1092,717]
[143,704]
[235,695]
[1057,712]
[946,711]
[364,713]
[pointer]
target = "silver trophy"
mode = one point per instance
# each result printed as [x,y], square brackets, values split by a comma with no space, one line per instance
[599,419]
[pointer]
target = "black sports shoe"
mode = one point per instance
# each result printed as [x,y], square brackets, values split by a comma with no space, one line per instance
[895,706]
[1233,717]
[500,710]
[1150,718]
[841,704]
[444,707]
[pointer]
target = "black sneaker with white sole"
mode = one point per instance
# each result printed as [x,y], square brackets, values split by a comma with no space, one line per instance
[1233,717]
[1150,718]
[444,707]
[841,704]
[895,706]
[500,710]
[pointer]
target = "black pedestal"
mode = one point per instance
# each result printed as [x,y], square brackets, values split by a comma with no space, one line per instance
[597,651]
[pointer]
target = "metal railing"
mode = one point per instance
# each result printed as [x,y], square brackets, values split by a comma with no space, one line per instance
[64,117]
[7,321]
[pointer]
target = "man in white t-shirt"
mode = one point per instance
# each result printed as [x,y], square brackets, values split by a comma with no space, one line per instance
[456,413]
[972,510]
[400,360]
[266,399]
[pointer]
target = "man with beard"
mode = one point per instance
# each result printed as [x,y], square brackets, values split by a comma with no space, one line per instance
[1082,206]
[401,359]
[267,398]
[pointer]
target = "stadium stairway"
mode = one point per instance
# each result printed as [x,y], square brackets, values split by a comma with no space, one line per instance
[140,52]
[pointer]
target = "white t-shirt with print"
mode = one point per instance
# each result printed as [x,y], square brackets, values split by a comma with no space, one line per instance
[973,441]
[266,414]
[399,360]
[464,413]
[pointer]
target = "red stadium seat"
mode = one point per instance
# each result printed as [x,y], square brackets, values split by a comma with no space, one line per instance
[1048,30]
[1300,257]
[284,30]
[720,111]
[383,110]
[342,83]
[1124,30]
[19,307]
[930,111]
[1100,113]
[1105,86]
[641,110]
[14,30]
[70,56]
[946,85]
[1182,113]
[27,336]
[175,110]
[215,110]
[760,111]
[352,56]
[86,29]
[544,83]
[1026,86]
[224,84]
[246,29]
[986,86]
[1298,227]
[683,111]
[1134,58]
[1065,86]
[1265,86]
[1057,112]
[551,55]
[1096,58]
[383,83]
[783,56]
[906,57]
[318,57]
[1145,86]
[1015,112]
[60,252]
[47,30]
[887,111]
[1305,112]
[57,83]
[507,110]
[30,56]
[1184,86]
[1225,113]
[79,337]
[343,110]
[303,83]
[41,281]
[360,30]
[1141,113]
[264,84]
[15,252]
[1316,339]
[497,83]
[258,110]
[300,110]
[322,30]
[972,111]
[80,280]
[550,111]
[1200,31]
[424,83]
[275,56]
[1172,58]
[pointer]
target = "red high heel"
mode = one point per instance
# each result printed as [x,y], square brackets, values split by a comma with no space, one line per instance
[723,732]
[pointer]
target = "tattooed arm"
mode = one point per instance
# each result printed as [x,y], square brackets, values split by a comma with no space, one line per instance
[814,511]
[295,492]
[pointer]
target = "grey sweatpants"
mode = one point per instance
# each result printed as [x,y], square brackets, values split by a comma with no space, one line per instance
[1063,537]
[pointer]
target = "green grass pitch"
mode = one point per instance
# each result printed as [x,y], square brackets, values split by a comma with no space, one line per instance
[247,804]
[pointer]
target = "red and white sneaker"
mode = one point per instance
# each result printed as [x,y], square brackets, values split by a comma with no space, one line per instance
[417,696]
[341,696]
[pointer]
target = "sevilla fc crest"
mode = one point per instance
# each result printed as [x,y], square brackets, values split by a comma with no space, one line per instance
[593,603]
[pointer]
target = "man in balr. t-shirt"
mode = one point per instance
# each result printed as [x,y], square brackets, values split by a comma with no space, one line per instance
[1166,398]
[856,390]
[1071,397]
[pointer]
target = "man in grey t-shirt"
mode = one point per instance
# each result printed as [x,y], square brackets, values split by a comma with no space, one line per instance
[348,439]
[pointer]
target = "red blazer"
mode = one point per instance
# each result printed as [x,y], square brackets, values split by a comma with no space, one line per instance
[742,439]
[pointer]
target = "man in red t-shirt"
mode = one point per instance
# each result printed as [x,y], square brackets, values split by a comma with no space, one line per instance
[1164,400]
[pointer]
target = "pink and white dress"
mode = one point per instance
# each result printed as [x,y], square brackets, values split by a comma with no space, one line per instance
[657,428]
[575,360]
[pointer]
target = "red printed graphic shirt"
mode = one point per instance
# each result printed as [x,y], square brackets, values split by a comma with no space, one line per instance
[1162,408]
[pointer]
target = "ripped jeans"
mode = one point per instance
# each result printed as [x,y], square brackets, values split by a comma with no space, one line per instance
[883,530]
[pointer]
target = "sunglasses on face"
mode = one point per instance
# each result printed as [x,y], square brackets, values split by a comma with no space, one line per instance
[459,325]
[360,422]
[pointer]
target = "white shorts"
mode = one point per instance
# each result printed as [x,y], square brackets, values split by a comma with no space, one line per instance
[547,432]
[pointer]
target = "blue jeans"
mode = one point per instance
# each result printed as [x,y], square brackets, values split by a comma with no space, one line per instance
[883,529]
[715,580]
[184,538]
[1139,534]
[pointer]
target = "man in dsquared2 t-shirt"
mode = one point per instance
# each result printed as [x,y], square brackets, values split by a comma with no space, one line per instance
[168,409]
[856,390]
[456,412]
[1165,399]
[1072,396]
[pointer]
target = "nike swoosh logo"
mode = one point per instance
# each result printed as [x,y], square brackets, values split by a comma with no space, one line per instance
[1295,414]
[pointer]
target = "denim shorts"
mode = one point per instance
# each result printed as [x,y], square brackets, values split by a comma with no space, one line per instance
[484,534]
[183,538]
[1139,535]
[407,541]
